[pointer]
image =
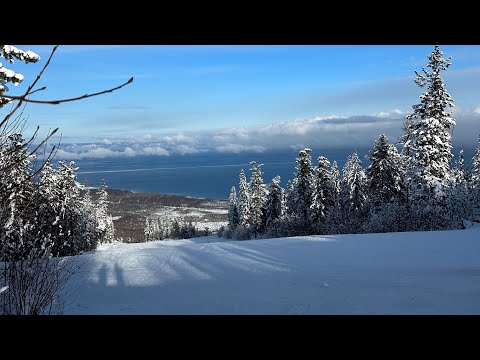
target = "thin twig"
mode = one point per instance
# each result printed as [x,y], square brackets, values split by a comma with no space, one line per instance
[56,102]
[41,89]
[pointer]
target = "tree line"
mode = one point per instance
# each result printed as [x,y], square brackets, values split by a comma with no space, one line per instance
[412,188]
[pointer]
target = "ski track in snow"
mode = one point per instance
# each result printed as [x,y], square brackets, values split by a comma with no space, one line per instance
[400,273]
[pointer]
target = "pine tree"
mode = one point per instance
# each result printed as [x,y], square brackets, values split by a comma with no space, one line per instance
[387,190]
[460,201]
[105,229]
[258,199]
[233,218]
[383,174]
[71,240]
[334,215]
[302,187]
[49,203]
[17,201]
[322,200]
[353,193]
[244,201]
[275,202]
[431,144]
[290,198]
[475,183]
[406,138]
[87,221]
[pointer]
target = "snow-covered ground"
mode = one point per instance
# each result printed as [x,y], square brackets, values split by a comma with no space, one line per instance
[401,273]
[202,220]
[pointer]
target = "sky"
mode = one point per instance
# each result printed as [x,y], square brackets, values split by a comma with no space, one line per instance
[191,99]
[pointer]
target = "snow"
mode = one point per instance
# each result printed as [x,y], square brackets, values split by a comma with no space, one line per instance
[188,211]
[396,273]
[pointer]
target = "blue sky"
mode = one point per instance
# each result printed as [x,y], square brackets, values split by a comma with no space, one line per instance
[190,99]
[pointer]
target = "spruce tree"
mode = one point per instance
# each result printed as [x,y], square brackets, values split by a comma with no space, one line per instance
[105,229]
[353,193]
[475,182]
[383,174]
[233,218]
[244,201]
[302,187]
[275,202]
[459,205]
[431,149]
[258,199]
[322,196]
[18,219]
[334,215]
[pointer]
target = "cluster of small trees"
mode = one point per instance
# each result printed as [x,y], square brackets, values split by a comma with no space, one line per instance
[42,208]
[165,227]
[416,188]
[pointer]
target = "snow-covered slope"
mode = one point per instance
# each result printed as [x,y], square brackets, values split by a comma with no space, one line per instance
[400,273]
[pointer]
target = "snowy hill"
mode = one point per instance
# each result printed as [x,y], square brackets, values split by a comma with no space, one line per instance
[399,273]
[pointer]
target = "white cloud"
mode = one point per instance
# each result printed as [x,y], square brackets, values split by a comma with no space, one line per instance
[129,152]
[184,149]
[107,142]
[297,147]
[101,152]
[238,148]
[155,150]
[386,114]
[179,138]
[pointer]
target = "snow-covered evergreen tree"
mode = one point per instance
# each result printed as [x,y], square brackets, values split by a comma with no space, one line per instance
[17,195]
[353,193]
[258,199]
[275,202]
[71,239]
[383,174]
[322,199]
[474,181]
[334,215]
[289,197]
[387,190]
[302,187]
[87,221]
[49,202]
[460,202]
[105,229]
[430,145]
[407,136]
[233,217]
[244,201]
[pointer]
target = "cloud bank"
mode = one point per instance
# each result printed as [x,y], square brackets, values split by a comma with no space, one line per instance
[329,132]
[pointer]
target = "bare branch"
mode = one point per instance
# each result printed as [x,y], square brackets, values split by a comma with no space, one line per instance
[56,102]
[43,141]
[41,89]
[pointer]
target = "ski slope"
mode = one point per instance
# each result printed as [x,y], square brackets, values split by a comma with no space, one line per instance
[399,273]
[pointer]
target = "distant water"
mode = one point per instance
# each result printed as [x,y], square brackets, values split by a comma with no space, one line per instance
[199,175]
